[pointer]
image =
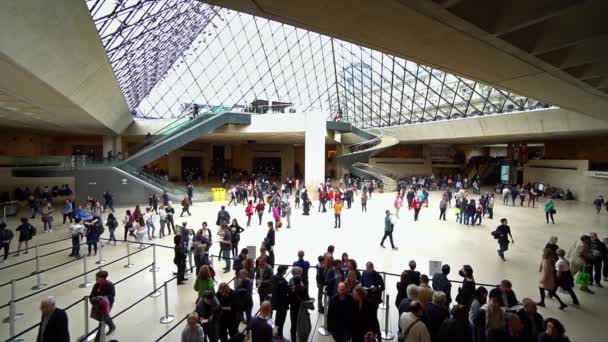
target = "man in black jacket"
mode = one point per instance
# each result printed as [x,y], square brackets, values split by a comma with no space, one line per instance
[504,293]
[5,239]
[104,287]
[53,324]
[598,254]
[340,315]
[261,331]
[531,320]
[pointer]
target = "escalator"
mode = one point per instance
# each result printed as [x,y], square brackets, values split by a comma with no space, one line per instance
[358,155]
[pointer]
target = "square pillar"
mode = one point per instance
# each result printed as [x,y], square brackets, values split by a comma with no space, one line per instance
[314,151]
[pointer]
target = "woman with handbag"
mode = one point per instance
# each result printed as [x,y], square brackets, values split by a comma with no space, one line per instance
[550,211]
[581,263]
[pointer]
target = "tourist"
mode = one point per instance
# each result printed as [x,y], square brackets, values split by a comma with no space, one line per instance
[364,201]
[228,319]
[333,278]
[287,212]
[337,213]
[188,241]
[425,292]
[364,315]
[477,315]
[389,226]
[412,295]
[54,325]
[304,265]
[209,310]
[68,211]
[169,211]
[259,208]
[243,292]
[108,201]
[128,221]
[193,332]
[598,255]
[443,206]
[263,278]
[490,206]
[598,203]
[179,258]
[6,235]
[249,212]
[112,224]
[261,329]
[505,195]
[340,315]
[26,233]
[582,263]
[185,206]
[547,279]
[466,293]
[456,328]
[162,217]
[436,313]
[139,226]
[149,220]
[495,319]
[413,274]
[280,299]
[299,304]
[402,285]
[92,234]
[77,231]
[223,217]
[532,321]
[322,269]
[505,294]
[417,205]
[397,205]
[103,288]
[554,332]
[441,282]
[502,234]
[373,281]
[532,194]
[226,246]
[563,276]
[411,325]
[550,211]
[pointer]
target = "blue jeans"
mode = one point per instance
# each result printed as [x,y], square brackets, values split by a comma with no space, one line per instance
[226,255]
[151,227]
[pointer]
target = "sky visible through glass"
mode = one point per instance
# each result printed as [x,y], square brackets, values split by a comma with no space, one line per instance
[169,54]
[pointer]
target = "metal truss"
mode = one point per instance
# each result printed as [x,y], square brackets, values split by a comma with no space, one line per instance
[170,54]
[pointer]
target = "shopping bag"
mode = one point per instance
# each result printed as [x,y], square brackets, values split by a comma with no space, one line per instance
[583,278]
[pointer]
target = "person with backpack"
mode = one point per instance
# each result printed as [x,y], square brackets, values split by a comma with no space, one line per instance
[93,233]
[26,233]
[6,235]
[223,217]
[502,234]
[185,206]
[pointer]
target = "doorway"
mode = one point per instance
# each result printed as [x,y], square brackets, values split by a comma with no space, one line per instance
[269,166]
[217,159]
[191,168]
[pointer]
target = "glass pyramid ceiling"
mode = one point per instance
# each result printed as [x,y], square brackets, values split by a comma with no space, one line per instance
[169,54]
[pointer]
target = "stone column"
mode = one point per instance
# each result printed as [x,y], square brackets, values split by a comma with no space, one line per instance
[314,151]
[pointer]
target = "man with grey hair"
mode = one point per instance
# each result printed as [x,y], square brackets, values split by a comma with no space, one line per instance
[436,313]
[53,324]
[532,321]
[412,294]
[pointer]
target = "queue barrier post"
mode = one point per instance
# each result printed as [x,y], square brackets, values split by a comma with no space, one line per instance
[39,285]
[16,315]
[85,336]
[166,319]
[11,314]
[129,264]
[86,283]
[384,304]
[35,256]
[386,334]
[154,268]
[101,260]
[156,293]
[323,329]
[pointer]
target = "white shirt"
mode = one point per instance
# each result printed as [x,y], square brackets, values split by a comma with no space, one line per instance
[562,265]
[505,191]
[76,229]
[541,187]
[163,215]
[418,332]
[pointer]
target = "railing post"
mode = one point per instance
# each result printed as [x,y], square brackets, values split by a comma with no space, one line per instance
[166,318]
[35,256]
[86,282]
[11,316]
[86,336]
[17,315]
[39,285]
[129,264]
[156,293]
[386,334]
[101,260]
[323,329]
[154,268]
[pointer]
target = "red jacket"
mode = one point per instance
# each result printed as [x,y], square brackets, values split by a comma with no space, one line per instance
[416,204]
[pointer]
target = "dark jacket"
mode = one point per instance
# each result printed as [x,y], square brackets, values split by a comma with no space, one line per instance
[364,320]
[374,282]
[340,315]
[452,330]
[436,315]
[261,331]
[543,337]
[56,328]
[511,298]
[530,325]
[107,290]
[280,293]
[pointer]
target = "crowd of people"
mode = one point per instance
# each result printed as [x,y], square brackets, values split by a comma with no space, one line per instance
[349,296]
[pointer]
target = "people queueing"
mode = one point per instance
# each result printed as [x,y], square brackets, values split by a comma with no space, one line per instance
[54,325]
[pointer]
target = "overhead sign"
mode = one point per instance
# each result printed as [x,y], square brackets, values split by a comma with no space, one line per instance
[504,173]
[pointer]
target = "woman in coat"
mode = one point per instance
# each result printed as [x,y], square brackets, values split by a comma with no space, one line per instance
[92,235]
[228,319]
[280,298]
[547,279]
[249,212]
[179,258]
[112,223]
[204,282]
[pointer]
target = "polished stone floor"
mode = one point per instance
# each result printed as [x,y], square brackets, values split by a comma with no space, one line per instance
[425,240]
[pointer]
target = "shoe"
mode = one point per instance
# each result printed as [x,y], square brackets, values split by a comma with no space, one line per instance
[180,283]
[110,331]
[599,285]
[540,304]
[576,303]
[563,306]
[396,248]
[382,246]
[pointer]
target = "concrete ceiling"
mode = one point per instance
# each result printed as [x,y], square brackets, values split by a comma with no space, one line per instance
[55,73]
[551,50]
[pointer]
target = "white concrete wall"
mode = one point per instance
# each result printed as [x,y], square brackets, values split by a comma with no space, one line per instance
[404,167]
[567,174]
